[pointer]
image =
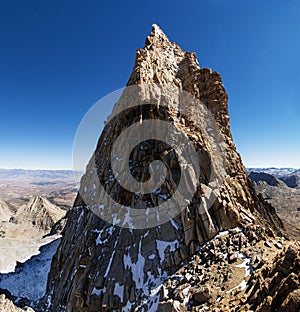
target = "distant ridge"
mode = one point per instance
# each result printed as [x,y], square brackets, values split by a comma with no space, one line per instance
[40,213]
[277,172]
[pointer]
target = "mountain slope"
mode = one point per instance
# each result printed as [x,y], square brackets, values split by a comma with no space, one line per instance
[292,179]
[282,195]
[29,278]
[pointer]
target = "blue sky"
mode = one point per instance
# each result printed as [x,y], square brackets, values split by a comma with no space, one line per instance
[57,58]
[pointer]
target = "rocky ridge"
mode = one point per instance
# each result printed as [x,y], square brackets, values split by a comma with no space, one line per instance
[261,176]
[40,213]
[102,267]
[238,270]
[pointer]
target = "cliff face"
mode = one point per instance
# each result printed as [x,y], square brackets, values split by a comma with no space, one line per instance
[110,263]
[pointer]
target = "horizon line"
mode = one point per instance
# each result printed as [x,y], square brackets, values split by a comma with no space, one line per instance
[40,169]
[68,169]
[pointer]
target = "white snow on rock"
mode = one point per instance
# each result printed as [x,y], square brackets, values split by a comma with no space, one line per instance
[30,278]
[153,287]
[109,231]
[234,230]
[174,224]
[248,271]
[98,292]
[119,291]
[185,293]
[245,264]
[222,233]
[136,268]
[242,285]
[162,246]
[127,219]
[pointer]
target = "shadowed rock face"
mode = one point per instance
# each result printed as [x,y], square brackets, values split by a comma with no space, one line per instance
[102,267]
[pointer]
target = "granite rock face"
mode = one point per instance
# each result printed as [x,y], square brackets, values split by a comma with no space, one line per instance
[104,267]
[276,287]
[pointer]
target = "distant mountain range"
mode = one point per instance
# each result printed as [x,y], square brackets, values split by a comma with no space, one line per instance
[273,176]
[281,188]
[50,174]
[277,172]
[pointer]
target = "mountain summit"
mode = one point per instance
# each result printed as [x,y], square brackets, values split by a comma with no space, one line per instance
[112,266]
[40,213]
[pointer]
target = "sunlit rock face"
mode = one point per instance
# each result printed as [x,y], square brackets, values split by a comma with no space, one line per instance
[102,266]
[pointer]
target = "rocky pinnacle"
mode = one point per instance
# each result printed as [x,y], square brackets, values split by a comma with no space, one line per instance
[104,267]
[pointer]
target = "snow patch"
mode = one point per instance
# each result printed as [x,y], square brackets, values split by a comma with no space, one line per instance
[242,285]
[98,292]
[30,278]
[185,293]
[109,231]
[127,218]
[222,233]
[111,258]
[245,264]
[174,224]
[119,291]
[162,246]
[136,268]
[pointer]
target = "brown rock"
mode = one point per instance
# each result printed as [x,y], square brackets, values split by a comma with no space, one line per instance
[171,306]
[291,302]
[201,294]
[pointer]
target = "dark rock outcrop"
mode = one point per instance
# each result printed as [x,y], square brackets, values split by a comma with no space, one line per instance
[261,176]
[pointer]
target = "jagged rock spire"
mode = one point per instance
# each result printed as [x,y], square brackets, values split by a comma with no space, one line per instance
[102,267]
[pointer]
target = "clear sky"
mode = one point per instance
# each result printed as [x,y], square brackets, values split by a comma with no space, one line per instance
[57,58]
